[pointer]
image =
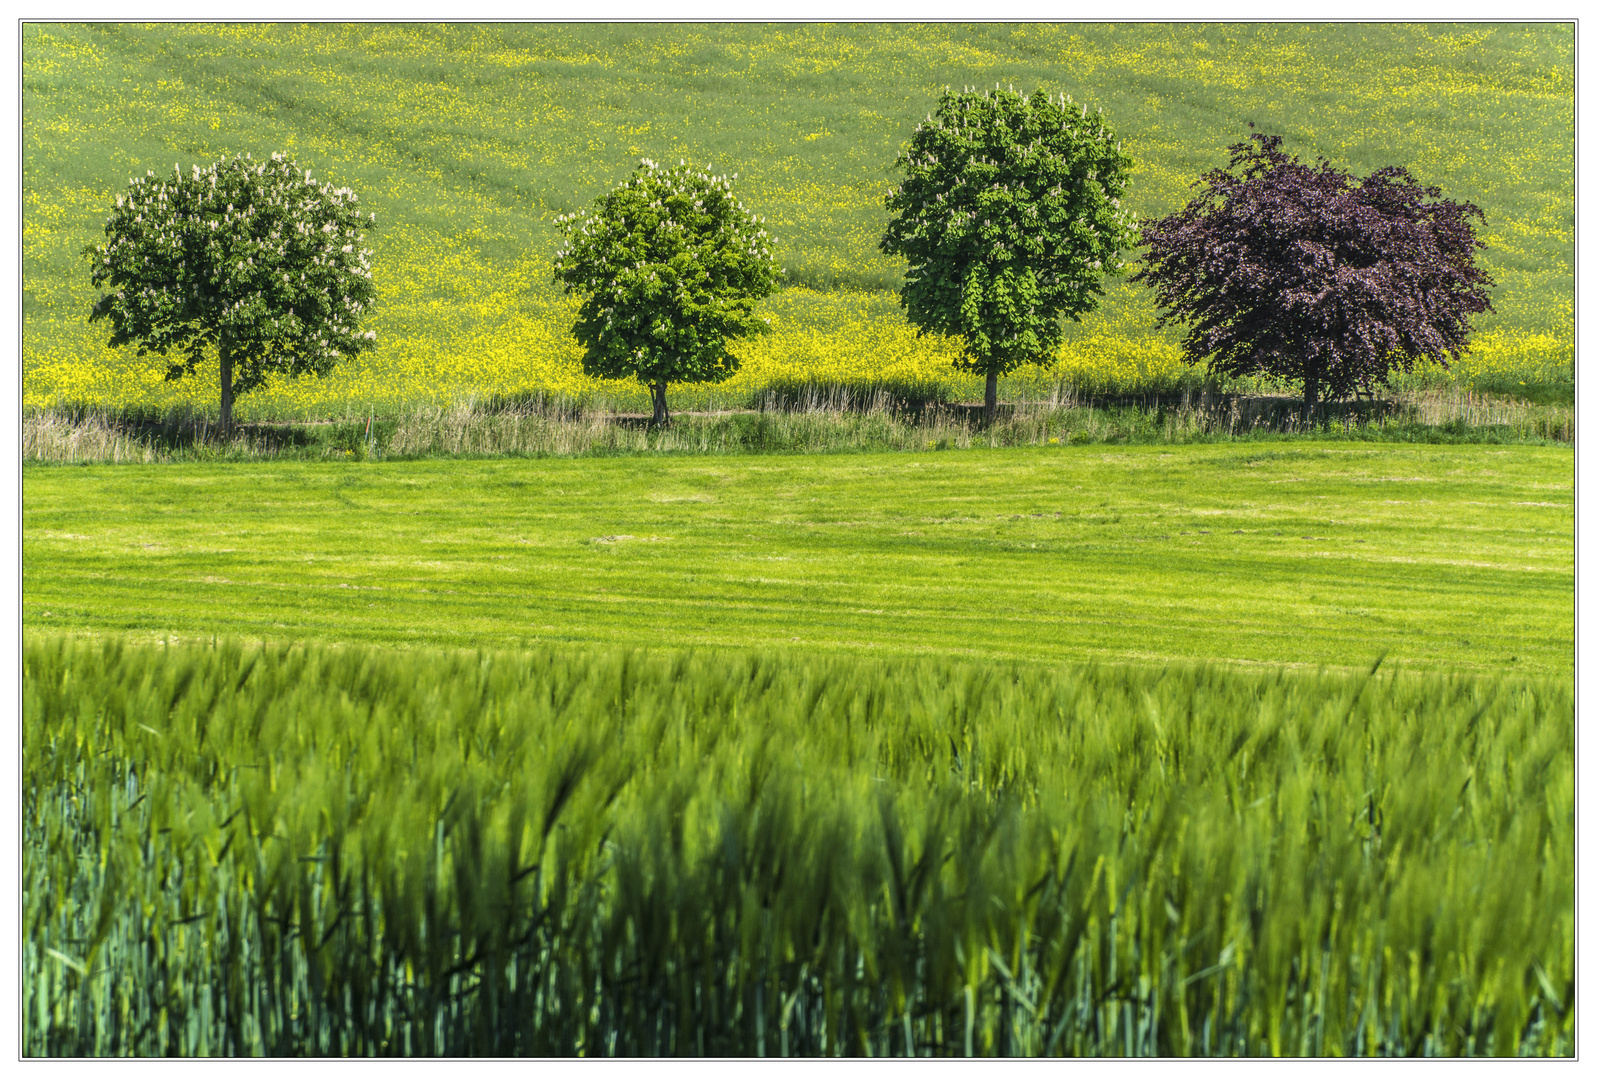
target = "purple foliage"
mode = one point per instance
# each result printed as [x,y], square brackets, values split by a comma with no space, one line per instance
[1311,273]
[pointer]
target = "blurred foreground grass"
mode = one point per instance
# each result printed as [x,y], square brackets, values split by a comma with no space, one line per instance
[315,851]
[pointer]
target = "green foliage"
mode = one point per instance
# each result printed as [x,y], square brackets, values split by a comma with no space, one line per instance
[255,260]
[1008,217]
[670,266]
[347,851]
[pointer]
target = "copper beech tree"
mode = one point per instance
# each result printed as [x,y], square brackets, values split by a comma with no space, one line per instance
[1311,273]
[252,260]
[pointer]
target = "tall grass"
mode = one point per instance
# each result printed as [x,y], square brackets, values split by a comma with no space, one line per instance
[238,850]
[796,418]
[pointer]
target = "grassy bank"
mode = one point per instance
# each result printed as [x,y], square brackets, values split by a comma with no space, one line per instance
[1297,553]
[801,420]
[350,851]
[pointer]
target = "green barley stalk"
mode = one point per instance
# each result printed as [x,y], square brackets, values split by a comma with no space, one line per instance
[285,851]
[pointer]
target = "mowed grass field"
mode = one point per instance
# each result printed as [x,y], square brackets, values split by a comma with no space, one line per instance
[468,141]
[1305,555]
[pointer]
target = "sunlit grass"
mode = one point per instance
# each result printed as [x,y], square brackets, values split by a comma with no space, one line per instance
[1282,552]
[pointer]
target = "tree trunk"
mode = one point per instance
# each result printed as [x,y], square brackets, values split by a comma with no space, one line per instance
[1311,395]
[662,415]
[991,403]
[224,353]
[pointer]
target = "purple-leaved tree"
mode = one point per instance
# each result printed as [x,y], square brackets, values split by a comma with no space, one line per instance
[1311,273]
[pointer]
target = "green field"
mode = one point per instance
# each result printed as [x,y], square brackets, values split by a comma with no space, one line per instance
[468,140]
[1211,749]
[1304,554]
[489,721]
[357,851]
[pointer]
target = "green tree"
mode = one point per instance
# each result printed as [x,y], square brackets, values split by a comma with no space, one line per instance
[255,261]
[1009,216]
[670,265]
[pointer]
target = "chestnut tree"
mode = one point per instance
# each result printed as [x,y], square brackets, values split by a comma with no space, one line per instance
[253,261]
[670,267]
[1311,273]
[1009,217]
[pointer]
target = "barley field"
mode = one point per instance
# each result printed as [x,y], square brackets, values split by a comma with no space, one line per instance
[468,140]
[284,850]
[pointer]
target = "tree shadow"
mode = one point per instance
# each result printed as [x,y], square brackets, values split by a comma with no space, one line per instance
[1267,412]
[182,432]
[639,421]
[906,400]
[1281,413]
[535,402]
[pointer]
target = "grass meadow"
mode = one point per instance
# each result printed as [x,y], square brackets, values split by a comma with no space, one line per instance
[445,708]
[1303,554]
[468,140]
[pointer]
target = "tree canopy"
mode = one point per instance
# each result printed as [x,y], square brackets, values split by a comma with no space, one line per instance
[670,267]
[253,260]
[1009,217]
[1308,272]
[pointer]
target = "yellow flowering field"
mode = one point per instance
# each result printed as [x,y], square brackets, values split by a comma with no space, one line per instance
[469,140]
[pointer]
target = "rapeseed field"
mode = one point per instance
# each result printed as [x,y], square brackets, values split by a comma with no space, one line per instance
[469,140]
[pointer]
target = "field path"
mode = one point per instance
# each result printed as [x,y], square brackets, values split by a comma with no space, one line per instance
[1440,556]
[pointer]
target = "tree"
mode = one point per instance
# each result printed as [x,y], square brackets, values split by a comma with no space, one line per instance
[252,259]
[1009,217]
[1310,273]
[670,265]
